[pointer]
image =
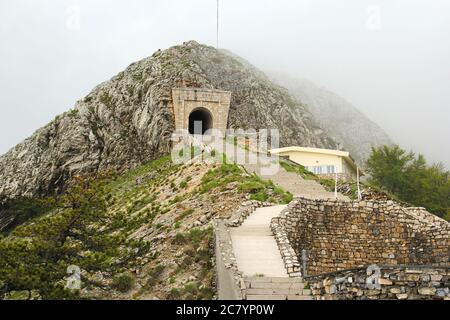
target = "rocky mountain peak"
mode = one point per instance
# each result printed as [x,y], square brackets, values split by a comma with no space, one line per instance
[128,120]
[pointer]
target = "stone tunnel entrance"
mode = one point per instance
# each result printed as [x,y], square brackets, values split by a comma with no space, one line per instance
[206,106]
[200,120]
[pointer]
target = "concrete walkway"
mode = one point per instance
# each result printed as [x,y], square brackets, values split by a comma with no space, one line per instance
[295,184]
[254,246]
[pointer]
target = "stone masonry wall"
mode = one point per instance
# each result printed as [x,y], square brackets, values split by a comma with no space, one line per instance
[401,282]
[339,235]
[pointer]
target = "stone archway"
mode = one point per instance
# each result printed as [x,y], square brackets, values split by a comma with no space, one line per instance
[209,106]
[200,120]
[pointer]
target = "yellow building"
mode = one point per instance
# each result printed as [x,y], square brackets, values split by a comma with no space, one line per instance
[323,162]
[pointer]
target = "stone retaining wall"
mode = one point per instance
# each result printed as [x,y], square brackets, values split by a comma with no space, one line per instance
[339,235]
[279,227]
[401,282]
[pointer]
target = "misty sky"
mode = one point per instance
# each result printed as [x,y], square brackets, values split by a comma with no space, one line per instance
[391,59]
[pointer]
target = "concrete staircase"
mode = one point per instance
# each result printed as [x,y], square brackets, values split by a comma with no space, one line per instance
[275,288]
[257,254]
[294,183]
[258,258]
[256,251]
[254,245]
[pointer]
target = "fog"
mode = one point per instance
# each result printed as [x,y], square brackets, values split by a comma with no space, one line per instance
[391,59]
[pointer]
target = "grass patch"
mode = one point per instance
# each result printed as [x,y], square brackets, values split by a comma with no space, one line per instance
[259,189]
[328,184]
[299,169]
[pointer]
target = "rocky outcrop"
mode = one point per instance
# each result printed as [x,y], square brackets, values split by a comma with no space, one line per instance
[128,120]
[344,123]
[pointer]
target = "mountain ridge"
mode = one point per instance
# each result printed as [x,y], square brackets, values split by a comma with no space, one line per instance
[127,121]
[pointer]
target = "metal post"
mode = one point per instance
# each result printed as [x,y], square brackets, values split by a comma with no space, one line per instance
[304,260]
[357,182]
[335,183]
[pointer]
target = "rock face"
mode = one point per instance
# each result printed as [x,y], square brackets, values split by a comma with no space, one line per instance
[342,121]
[128,120]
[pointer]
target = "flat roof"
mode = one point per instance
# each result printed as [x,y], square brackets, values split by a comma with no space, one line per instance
[345,154]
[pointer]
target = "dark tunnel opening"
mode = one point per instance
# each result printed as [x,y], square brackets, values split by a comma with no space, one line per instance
[200,120]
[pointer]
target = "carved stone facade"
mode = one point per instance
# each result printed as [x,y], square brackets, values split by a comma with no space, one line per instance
[212,106]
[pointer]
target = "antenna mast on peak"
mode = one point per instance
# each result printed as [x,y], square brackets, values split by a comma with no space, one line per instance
[217,36]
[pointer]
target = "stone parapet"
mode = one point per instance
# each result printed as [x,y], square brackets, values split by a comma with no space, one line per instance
[339,235]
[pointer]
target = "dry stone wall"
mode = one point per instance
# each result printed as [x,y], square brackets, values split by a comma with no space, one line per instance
[395,283]
[339,235]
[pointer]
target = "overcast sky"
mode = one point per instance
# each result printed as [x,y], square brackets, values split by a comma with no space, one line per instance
[389,58]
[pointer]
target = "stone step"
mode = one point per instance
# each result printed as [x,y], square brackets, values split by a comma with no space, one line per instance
[273,279]
[278,297]
[275,285]
[266,297]
[275,291]
[302,297]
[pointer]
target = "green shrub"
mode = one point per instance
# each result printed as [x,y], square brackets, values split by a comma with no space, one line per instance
[154,276]
[196,235]
[175,200]
[183,184]
[187,261]
[175,294]
[191,288]
[206,294]
[179,239]
[252,186]
[123,283]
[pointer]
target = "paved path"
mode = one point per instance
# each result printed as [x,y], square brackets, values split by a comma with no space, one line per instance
[256,251]
[254,246]
[294,183]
